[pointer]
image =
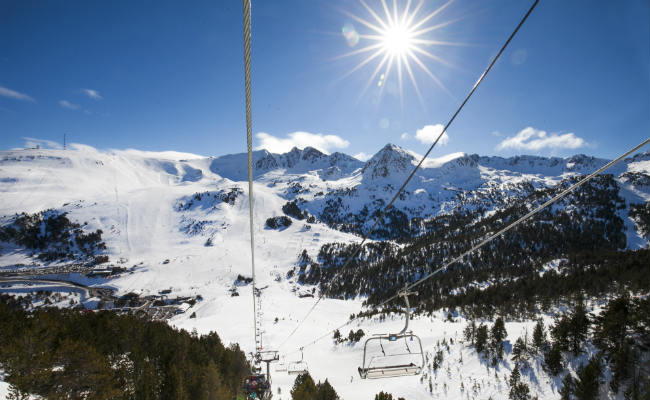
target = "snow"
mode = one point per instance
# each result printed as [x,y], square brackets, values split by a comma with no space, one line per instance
[170,155]
[440,161]
[4,389]
[639,166]
[552,265]
[133,196]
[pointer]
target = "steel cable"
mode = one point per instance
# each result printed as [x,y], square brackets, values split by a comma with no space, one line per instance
[530,214]
[408,179]
[249,144]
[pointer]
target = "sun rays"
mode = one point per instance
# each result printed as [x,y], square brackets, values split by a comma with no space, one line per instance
[397,42]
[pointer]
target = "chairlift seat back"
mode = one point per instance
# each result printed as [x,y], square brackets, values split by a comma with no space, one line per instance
[387,356]
[297,368]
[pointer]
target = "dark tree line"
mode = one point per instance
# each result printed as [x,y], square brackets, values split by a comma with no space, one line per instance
[63,354]
[620,333]
[584,229]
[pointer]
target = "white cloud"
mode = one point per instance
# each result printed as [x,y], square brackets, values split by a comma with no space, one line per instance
[404,136]
[12,94]
[429,133]
[533,139]
[170,155]
[93,94]
[362,156]
[31,143]
[324,143]
[68,105]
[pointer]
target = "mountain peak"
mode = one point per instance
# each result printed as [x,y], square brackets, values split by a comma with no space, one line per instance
[390,160]
[310,153]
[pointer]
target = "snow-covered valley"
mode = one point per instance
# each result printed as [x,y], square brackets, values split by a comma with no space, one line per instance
[179,223]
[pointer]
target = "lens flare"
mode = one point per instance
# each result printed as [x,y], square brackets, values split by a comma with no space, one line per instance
[397,38]
[350,34]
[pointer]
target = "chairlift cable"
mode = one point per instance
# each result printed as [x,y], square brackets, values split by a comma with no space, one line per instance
[249,143]
[260,383]
[530,214]
[408,179]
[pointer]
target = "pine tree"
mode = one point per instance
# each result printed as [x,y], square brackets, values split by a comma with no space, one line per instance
[553,360]
[497,334]
[578,327]
[612,324]
[638,389]
[621,365]
[211,385]
[539,336]
[470,331]
[519,351]
[304,388]
[588,380]
[383,396]
[560,333]
[326,391]
[498,331]
[481,338]
[515,376]
[567,387]
[518,389]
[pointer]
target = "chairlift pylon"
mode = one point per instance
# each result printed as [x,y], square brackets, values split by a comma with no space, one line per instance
[257,385]
[393,363]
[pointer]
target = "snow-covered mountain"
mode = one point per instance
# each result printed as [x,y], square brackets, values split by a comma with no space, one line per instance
[296,161]
[179,222]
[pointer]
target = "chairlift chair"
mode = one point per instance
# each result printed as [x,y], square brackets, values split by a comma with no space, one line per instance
[298,367]
[394,363]
[281,366]
[256,386]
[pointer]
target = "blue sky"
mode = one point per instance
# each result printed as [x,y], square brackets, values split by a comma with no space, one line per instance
[168,75]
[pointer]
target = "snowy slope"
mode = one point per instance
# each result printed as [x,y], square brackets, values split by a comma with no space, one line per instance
[141,201]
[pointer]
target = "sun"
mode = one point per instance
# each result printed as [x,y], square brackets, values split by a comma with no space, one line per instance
[397,40]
